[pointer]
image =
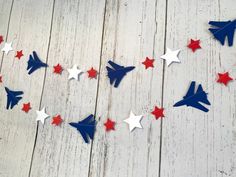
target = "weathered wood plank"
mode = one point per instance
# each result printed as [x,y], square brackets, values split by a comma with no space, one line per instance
[133,30]
[197,143]
[76,39]
[5,13]
[29,28]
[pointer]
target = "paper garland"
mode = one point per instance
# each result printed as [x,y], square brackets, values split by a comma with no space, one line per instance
[116,74]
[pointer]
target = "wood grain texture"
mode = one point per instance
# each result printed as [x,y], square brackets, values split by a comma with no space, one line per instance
[75,39]
[133,30]
[17,129]
[5,14]
[187,142]
[197,143]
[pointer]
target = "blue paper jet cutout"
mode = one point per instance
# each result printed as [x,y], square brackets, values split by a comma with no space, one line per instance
[222,30]
[35,63]
[13,97]
[117,72]
[192,99]
[86,127]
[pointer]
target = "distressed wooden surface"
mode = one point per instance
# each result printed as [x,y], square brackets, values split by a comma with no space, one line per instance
[88,33]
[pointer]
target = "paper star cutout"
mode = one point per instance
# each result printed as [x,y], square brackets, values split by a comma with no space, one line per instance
[0,79]
[194,45]
[74,73]
[1,39]
[57,69]
[110,125]
[26,107]
[224,78]
[134,121]
[158,112]
[92,73]
[7,48]
[19,54]
[41,115]
[148,63]
[171,56]
[57,120]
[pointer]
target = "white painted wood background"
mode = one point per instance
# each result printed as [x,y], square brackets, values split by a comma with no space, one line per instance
[186,143]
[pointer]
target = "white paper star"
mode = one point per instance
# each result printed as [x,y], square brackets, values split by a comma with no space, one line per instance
[171,56]
[7,48]
[41,115]
[134,121]
[74,72]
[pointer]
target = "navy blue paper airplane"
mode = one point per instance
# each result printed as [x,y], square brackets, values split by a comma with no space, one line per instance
[13,97]
[117,72]
[34,63]
[193,98]
[222,30]
[86,127]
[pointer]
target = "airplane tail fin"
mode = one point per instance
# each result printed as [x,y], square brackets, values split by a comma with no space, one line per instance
[205,99]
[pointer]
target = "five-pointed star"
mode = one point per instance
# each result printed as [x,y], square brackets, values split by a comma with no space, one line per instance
[171,56]
[92,73]
[41,115]
[109,124]
[57,69]
[158,112]
[134,121]
[224,78]
[26,107]
[19,54]
[74,72]
[194,45]
[57,120]
[148,63]
[7,48]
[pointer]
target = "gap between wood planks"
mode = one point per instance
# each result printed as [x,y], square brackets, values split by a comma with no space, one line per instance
[8,26]
[45,74]
[98,84]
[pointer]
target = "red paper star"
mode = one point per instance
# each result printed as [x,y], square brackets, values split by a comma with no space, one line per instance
[92,73]
[158,112]
[57,120]
[148,63]
[110,125]
[57,69]
[26,107]
[1,39]
[19,54]
[0,79]
[194,45]
[224,78]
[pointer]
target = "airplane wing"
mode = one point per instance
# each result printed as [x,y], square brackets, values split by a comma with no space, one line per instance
[118,80]
[114,65]
[111,75]
[190,90]
[8,102]
[230,37]
[219,24]
[30,62]
[199,106]
[83,134]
